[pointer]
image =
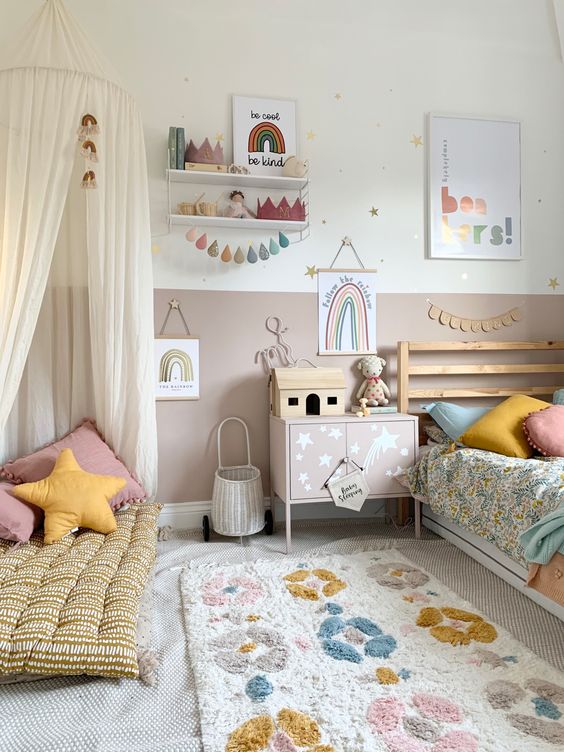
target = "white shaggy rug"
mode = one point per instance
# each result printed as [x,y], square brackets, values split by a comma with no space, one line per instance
[358,652]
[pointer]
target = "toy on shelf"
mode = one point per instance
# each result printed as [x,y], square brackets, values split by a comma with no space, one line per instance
[204,158]
[374,389]
[301,392]
[294,213]
[295,168]
[364,411]
[236,207]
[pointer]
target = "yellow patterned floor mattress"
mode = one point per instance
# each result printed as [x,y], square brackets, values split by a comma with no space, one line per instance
[71,607]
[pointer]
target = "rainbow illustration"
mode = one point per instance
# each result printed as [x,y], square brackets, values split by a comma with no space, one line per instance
[267,132]
[176,365]
[347,312]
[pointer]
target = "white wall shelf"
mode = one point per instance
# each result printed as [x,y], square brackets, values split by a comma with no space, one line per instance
[221,180]
[240,224]
[276,182]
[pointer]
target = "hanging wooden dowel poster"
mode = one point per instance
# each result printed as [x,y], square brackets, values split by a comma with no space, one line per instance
[346,303]
[177,362]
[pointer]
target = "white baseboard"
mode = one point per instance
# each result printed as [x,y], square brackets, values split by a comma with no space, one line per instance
[187,515]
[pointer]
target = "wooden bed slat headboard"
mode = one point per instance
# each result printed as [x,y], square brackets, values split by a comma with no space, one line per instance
[405,370]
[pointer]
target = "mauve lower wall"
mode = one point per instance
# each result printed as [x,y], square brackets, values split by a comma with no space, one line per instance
[231,327]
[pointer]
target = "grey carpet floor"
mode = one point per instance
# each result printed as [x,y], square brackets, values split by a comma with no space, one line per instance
[84,714]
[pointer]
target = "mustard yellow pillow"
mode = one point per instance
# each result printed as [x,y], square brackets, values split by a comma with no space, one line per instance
[501,429]
[71,497]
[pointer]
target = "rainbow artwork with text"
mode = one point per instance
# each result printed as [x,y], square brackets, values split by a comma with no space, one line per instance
[267,133]
[347,316]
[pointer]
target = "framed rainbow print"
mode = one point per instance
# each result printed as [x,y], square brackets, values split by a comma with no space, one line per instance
[264,133]
[473,188]
[177,367]
[346,304]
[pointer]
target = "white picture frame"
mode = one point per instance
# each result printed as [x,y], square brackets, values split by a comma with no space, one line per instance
[346,311]
[264,133]
[177,367]
[473,202]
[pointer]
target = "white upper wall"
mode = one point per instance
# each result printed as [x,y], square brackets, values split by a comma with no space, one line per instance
[392,62]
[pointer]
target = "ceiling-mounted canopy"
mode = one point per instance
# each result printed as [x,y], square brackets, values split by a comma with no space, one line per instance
[52,39]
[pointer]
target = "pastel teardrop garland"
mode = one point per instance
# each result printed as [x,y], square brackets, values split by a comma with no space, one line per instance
[238,257]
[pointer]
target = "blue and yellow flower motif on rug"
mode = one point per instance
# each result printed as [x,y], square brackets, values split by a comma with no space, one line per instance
[356,636]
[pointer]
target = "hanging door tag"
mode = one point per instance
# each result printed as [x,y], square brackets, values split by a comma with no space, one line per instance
[350,490]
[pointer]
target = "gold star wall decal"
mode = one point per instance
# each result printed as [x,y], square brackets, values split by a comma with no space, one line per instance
[323,221]
[553,282]
[311,271]
[155,248]
[373,212]
[310,135]
[416,141]
[219,136]
[338,96]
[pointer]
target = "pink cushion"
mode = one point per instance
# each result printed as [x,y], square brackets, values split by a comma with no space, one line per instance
[92,454]
[545,430]
[18,519]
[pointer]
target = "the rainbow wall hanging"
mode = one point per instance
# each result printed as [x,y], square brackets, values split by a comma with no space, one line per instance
[264,133]
[346,311]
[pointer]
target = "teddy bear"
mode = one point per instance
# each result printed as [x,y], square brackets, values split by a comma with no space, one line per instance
[373,388]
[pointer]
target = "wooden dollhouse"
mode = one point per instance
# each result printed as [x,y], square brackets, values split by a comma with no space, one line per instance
[302,392]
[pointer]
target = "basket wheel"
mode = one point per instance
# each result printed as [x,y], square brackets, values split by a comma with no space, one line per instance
[268,522]
[206,527]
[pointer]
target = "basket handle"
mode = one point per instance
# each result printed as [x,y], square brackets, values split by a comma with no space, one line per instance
[223,422]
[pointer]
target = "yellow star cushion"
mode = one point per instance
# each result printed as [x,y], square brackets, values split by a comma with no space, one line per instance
[71,497]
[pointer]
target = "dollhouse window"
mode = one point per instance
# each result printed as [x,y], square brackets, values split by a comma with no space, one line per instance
[313,404]
[293,401]
[331,400]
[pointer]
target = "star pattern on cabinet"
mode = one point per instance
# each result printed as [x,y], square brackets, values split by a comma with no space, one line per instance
[303,478]
[335,433]
[404,452]
[325,459]
[322,429]
[381,444]
[304,440]
[354,448]
[307,487]
[299,456]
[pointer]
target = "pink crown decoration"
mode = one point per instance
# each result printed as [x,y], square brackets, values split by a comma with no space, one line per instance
[294,213]
[205,154]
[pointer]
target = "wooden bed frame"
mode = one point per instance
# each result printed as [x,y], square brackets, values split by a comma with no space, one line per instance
[484,552]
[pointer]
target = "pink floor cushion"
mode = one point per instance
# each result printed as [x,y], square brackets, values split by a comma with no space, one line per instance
[545,430]
[92,454]
[18,519]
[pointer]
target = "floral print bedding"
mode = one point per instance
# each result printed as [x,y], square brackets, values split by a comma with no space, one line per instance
[493,496]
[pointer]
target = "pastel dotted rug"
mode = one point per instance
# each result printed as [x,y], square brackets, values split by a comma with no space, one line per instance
[353,653]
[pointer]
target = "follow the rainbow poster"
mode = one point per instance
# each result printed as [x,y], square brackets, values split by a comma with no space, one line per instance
[346,311]
[264,133]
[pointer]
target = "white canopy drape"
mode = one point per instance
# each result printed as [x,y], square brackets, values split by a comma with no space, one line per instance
[76,323]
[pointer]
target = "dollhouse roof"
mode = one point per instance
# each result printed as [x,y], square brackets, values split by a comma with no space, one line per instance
[308,378]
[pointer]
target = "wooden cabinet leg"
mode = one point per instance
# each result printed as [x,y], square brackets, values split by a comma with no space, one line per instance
[417,504]
[288,527]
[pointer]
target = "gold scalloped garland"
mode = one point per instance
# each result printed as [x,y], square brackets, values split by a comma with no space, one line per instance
[474,325]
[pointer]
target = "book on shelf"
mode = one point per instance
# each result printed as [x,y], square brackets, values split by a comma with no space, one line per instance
[172,148]
[376,410]
[180,148]
[202,167]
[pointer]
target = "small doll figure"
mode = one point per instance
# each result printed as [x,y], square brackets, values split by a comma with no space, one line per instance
[237,208]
